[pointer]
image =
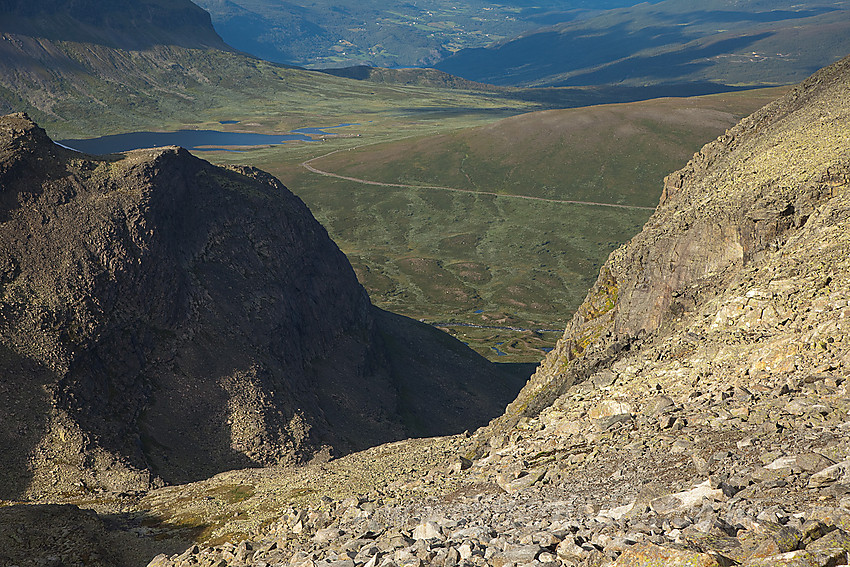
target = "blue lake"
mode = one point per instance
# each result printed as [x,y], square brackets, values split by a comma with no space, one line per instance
[197,140]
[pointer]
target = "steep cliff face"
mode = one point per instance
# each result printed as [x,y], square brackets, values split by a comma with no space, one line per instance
[731,211]
[165,319]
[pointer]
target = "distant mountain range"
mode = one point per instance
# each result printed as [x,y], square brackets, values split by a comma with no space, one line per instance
[553,43]
[380,33]
[750,42]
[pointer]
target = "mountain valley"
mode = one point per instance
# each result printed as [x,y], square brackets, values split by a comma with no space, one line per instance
[495,240]
[694,412]
[208,363]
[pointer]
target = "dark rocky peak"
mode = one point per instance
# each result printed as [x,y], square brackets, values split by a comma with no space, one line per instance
[21,139]
[165,319]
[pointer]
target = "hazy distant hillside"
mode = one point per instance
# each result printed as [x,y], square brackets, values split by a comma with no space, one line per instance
[379,33]
[91,64]
[750,42]
[93,67]
[123,23]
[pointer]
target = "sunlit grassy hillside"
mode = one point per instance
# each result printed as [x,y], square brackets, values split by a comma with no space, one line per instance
[487,254]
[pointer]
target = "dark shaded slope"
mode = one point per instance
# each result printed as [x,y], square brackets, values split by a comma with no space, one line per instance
[162,317]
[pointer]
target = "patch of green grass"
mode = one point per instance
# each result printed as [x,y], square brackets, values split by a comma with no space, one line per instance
[441,256]
[299,493]
[188,525]
[232,493]
[505,345]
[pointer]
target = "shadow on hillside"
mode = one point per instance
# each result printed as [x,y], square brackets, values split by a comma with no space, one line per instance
[738,16]
[668,65]
[120,24]
[591,56]
[24,413]
[443,386]
[508,63]
[435,112]
[574,97]
[30,534]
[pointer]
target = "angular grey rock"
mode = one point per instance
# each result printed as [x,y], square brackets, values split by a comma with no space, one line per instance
[427,530]
[518,555]
[605,423]
[829,475]
[813,462]
[659,405]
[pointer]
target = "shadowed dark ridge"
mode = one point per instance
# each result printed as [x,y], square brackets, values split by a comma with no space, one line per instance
[163,318]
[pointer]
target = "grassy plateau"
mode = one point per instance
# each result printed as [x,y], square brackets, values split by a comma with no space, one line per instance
[494,231]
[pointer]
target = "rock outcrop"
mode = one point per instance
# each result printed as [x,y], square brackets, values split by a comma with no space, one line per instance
[723,221]
[163,319]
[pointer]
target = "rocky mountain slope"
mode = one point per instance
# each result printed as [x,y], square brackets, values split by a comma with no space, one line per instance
[164,320]
[695,412]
